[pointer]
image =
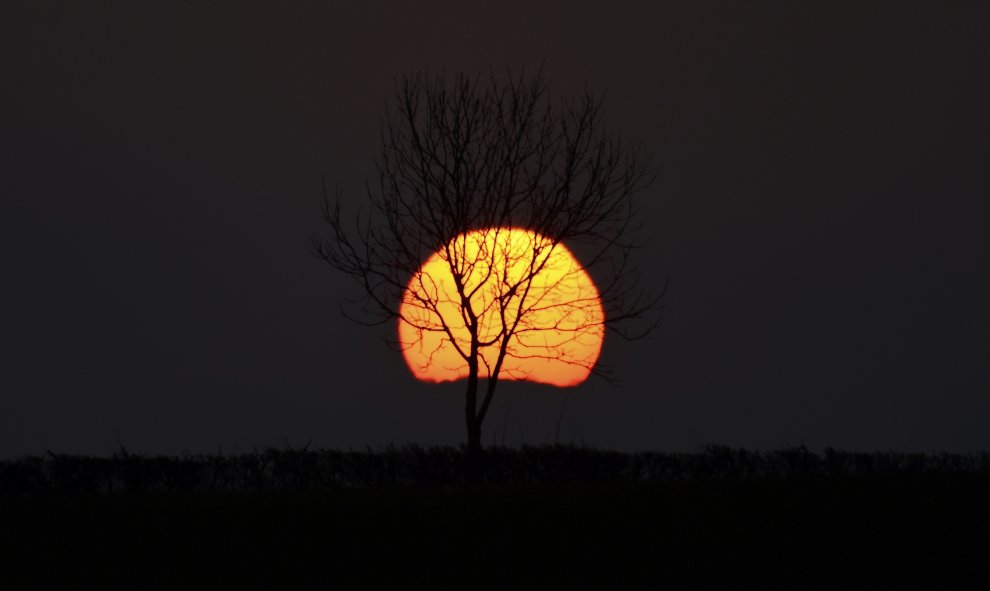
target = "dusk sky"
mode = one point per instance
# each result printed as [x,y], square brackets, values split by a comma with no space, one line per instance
[820,213]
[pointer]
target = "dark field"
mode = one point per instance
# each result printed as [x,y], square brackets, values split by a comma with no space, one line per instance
[556,517]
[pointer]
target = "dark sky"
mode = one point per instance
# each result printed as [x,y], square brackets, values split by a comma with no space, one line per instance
[821,214]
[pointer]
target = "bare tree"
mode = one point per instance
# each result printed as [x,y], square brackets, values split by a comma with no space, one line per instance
[481,184]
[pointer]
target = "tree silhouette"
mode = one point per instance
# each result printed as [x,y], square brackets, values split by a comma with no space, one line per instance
[481,184]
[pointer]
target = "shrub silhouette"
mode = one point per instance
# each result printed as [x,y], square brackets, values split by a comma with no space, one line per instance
[286,469]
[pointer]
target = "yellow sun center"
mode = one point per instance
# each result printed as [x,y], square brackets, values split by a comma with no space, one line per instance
[522,291]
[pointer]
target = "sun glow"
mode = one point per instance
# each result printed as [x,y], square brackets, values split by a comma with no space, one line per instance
[527,293]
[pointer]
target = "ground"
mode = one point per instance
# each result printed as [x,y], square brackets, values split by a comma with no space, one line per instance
[849,532]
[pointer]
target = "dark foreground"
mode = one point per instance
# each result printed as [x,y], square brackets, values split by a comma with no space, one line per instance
[720,517]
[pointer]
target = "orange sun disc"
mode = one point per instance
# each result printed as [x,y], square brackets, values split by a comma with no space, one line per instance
[525,292]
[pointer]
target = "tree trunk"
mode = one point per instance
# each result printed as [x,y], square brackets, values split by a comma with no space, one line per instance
[475,458]
[473,466]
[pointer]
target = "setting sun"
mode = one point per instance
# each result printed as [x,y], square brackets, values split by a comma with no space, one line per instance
[519,286]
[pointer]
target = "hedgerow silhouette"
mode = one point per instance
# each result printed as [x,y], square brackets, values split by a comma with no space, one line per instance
[287,469]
